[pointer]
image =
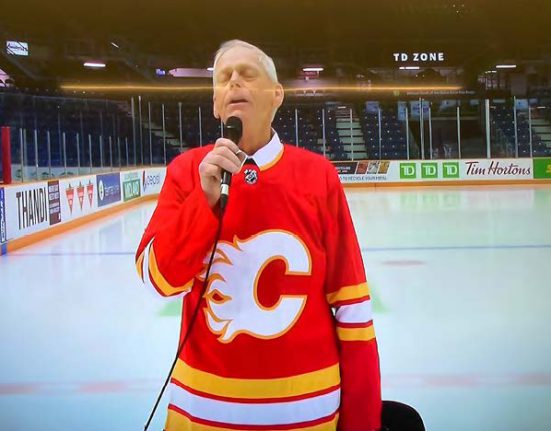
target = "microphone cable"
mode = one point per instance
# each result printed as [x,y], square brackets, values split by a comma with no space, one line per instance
[234,128]
[193,318]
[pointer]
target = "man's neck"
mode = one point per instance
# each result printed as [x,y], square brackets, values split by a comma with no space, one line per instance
[251,143]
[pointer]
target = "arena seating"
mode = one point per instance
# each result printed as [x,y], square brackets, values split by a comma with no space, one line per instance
[393,138]
[502,119]
[89,120]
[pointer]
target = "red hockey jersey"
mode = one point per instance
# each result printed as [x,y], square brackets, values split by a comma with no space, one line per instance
[284,339]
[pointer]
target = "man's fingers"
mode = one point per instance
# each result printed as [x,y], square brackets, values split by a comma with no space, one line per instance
[223,142]
[211,171]
[220,162]
[228,154]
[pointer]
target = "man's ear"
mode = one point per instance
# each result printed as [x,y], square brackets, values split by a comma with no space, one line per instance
[279,96]
[214,110]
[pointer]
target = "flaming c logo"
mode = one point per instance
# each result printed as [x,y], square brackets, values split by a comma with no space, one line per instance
[232,297]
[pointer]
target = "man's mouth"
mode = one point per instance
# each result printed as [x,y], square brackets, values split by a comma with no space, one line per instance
[238,101]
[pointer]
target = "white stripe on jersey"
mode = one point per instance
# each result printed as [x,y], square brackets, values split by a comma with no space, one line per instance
[355,313]
[240,413]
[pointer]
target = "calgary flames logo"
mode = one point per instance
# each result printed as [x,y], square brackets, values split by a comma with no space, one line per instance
[232,297]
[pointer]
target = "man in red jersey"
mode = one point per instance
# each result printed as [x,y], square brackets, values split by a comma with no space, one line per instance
[284,339]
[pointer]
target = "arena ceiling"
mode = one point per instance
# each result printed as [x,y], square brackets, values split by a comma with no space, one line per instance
[361,33]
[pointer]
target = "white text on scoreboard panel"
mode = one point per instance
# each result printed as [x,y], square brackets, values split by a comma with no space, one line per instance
[419,57]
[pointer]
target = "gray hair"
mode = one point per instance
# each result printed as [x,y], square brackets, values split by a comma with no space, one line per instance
[264,59]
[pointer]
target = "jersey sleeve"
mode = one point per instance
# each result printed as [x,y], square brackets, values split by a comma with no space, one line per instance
[348,293]
[179,234]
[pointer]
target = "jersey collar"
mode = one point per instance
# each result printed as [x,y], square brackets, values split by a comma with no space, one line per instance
[269,154]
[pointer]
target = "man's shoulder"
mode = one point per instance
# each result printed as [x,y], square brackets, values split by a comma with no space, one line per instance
[303,155]
[190,157]
[312,167]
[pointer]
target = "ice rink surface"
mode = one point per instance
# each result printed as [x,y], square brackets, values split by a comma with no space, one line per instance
[461,281]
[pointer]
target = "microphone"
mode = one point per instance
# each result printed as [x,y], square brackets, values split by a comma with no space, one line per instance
[233,131]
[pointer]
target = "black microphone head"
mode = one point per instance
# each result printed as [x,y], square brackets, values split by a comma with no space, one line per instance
[234,129]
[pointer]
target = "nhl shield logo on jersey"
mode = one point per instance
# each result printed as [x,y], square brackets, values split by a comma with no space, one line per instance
[251,176]
[232,298]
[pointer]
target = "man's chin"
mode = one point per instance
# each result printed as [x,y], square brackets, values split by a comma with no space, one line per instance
[236,113]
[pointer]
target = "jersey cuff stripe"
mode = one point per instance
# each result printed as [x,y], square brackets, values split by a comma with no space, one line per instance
[139,264]
[351,301]
[348,293]
[356,334]
[354,325]
[362,312]
[159,281]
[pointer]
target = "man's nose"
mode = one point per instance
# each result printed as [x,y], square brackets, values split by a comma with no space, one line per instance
[235,79]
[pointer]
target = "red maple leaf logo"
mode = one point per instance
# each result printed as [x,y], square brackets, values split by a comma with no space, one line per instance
[90,191]
[80,193]
[70,192]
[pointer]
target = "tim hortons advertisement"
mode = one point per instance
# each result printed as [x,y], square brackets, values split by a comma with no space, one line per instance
[481,169]
[435,170]
[498,169]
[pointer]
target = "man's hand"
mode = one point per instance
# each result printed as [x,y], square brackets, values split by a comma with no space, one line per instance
[222,156]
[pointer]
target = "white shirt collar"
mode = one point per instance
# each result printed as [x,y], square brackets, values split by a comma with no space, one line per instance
[269,154]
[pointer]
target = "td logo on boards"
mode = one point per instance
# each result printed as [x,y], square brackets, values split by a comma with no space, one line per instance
[429,170]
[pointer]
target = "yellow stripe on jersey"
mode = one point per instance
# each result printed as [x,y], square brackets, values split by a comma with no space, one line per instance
[164,286]
[178,422]
[273,162]
[256,388]
[139,264]
[356,334]
[347,293]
